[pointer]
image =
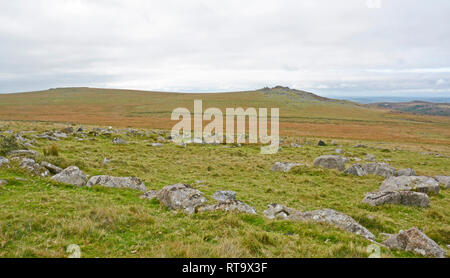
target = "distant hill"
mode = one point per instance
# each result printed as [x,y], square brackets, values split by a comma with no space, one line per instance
[301,113]
[417,107]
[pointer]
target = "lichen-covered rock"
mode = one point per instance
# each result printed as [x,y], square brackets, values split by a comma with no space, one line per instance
[31,166]
[338,219]
[405,172]
[52,168]
[415,241]
[284,166]
[181,196]
[444,180]
[380,169]
[356,170]
[117,182]
[410,183]
[224,195]
[328,216]
[330,162]
[407,198]
[229,206]
[71,175]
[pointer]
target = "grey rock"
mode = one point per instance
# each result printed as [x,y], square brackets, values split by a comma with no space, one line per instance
[3,182]
[150,195]
[340,151]
[71,175]
[229,206]
[106,161]
[415,241]
[280,211]
[67,130]
[157,145]
[4,161]
[117,182]
[356,170]
[330,162]
[444,180]
[360,146]
[294,145]
[224,195]
[407,198]
[181,196]
[119,141]
[23,153]
[380,169]
[47,136]
[59,135]
[327,216]
[410,183]
[52,168]
[369,157]
[31,166]
[340,220]
[284,166]
[405,172]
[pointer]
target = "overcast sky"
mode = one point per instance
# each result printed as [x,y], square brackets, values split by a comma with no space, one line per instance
[351,47]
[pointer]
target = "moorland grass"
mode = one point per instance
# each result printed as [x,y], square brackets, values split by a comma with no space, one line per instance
[40,217]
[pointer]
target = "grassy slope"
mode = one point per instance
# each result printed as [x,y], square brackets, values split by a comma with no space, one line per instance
[302,114]
[39,218]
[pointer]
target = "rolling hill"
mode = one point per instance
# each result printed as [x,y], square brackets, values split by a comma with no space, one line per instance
[417,107]
[301,113]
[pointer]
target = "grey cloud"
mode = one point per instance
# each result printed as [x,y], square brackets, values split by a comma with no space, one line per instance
[325,46]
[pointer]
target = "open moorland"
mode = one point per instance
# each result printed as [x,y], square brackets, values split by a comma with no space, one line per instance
[334,154]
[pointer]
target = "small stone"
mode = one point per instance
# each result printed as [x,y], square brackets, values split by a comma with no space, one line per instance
[284,166]
[119,141]
[321,143]
[150,195]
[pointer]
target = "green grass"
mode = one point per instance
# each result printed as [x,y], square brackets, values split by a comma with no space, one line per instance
[40,218]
